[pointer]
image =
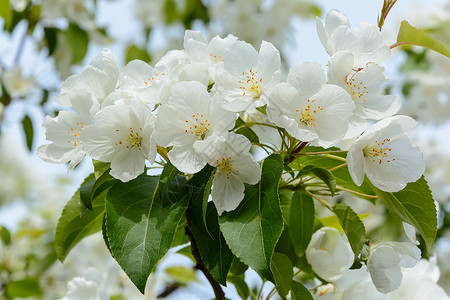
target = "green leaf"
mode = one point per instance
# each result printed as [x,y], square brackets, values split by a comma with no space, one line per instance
[100,167]
[141,218]
[248,133]
[186,251]
[24,288]
[72,227]
[342,176]
[86,192]
[135,52]
[299,292]
[352,225]
[301,221]
[333,221]
[240,285]
[181,274]
[51,36]
[321,173]
[28,130]
[238,267]
[5,235]
[5,12]
[213,249]
[414,205]
[211,244]
[77,39]
[283,272]
[411,35]
[253,229]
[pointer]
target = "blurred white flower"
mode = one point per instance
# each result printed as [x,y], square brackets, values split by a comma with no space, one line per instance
[385,262]
[385,153]
[16,84]
[329,254]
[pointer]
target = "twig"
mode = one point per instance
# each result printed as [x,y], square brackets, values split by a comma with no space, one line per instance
[220,295]
[169,290]
[356,193]
[323,202]
[337,167]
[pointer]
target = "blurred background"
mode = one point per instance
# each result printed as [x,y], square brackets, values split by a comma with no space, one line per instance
[43,42]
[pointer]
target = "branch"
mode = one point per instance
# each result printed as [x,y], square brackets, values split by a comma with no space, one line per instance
[220,295]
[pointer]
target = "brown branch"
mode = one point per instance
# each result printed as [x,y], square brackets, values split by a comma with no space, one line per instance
[169,290]
[220,295]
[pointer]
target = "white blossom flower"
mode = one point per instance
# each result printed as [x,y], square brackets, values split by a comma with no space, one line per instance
[235,166]
[192,114]
[385,153]
[329,253]
[99,79]
[15,84]
[365,41]
[364,86]
[209,53]
[121,134]
[89,287]
[385,262]
[64,130]
[308,108]
[248,77]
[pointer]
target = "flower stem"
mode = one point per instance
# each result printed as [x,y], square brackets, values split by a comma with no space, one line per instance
[356,193]
[220,295]
[337,167]
[323,202]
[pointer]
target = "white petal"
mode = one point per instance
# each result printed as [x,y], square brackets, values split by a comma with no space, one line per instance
[127,164]
[227,192]
[184,157]
[307,77]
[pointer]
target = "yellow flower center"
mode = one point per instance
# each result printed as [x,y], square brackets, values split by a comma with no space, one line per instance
[75,132]
[356,89]
[251,84]
[198,126]
[225,166]
[378,152]
[307,116]
[133,140]
[215,58]
[155,78]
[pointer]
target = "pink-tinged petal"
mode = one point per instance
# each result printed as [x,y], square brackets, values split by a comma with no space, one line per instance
[227,192]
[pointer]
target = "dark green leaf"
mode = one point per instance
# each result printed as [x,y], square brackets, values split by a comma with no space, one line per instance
[283,272]
[28,130]
[24,288]
[77,39]
[86,192]
[141,219]
[205,227]
[414,205]
[51,36]
[299,292]
[342,176]
[240,285]
[5,235]
[301,221]
[72,227]
[411,35]
[211,244]
[5,12]
[321,173]
[134,52]
[248,133]
[100,167]
[238,267]
[352,225]
[253,229]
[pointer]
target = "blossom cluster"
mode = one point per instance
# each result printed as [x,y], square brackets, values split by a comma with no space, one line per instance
[189,101]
